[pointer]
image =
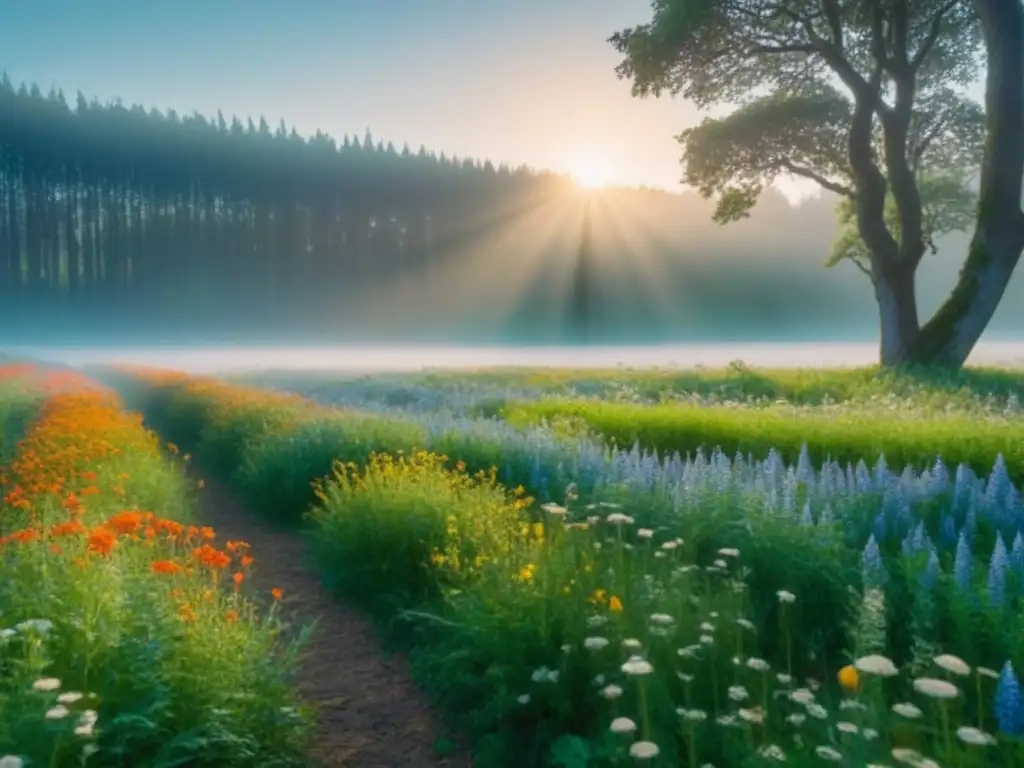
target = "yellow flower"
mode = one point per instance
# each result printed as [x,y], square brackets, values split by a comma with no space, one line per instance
[526,573]
[849,679]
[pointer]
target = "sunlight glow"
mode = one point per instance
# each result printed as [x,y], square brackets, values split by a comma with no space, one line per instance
[590,171]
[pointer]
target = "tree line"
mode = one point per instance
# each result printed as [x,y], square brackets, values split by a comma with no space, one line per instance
[116,211]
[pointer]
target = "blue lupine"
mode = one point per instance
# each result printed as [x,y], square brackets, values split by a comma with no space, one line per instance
[930,575]
[947,532]
[1008,705]
[804,470]
[917,540]
[961,485]
[879,527]
[871,564]
[864,483]
[997,573]
[881,471]
[938,478]
[1017,555]
[998,481]
[806,518]
[970,520]
[962,563]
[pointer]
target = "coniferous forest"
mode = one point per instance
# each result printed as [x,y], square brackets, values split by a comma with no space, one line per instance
[112,210]
[116,219]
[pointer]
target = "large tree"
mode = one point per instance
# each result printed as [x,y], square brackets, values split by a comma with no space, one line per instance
[867,98]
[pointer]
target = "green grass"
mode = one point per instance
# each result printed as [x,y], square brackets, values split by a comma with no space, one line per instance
[118,646]
[843,434]
[495,596]
[739,383]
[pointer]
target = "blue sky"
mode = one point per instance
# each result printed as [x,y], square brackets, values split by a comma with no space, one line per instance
[517,81]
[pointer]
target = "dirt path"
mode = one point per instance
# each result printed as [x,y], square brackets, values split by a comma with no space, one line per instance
[371,714]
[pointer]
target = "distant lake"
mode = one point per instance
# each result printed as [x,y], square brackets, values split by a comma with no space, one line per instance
[378,359]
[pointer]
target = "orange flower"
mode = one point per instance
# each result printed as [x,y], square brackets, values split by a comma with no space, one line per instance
[186,613]
[231,617]
[849,679]
[24,536]
[276,593]
[102,540]
[69,528]
[247,560]
[614,604]
[171,527]
[126,522]
[165,567]
[212,557]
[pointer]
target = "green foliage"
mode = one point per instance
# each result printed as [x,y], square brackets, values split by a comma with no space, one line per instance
[18,407]
[104,660]
[737,157]
[495,598]
[784,64]
[409,527]
[949,204]
[279,468]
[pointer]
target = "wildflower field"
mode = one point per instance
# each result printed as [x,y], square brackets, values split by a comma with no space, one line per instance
[572,603]
[127,637]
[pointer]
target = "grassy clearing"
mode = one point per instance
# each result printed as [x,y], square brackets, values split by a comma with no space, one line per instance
[487,391]
[668,611]
[127,635]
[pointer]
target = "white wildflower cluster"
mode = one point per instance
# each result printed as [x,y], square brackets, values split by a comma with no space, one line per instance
[75,707]
[666,630]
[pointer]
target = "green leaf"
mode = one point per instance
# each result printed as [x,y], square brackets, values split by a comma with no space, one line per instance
[570,752]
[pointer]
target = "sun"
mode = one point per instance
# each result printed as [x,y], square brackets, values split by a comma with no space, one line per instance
[590,171]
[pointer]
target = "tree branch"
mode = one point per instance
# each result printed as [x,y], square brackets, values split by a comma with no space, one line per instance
[868,179]
[926,142]
[878,49]
[835,24]
[933,35]
[807,173]
[900,30]
[865,270]
[774,49]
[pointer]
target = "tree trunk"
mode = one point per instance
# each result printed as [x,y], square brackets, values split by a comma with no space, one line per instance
[948,338]
[897,314]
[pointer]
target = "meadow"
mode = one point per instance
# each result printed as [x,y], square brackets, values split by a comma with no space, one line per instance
[752,582]
[127,634]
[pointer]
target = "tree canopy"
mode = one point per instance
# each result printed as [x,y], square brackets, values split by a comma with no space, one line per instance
[866,98]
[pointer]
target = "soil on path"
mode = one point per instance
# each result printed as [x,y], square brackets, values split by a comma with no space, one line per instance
[370,713]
